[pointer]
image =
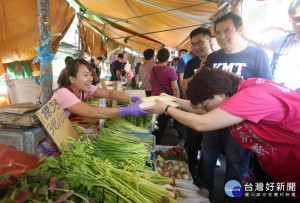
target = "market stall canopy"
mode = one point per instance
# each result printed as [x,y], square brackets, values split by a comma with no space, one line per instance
[19,28]
[143,24]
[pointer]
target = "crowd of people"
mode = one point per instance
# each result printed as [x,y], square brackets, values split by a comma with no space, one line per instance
[232,99]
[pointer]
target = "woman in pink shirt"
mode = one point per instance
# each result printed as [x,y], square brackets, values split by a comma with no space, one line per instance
[263,116]
[75,85]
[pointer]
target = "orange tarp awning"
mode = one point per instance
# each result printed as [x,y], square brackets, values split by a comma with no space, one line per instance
[19,28]
[151,23]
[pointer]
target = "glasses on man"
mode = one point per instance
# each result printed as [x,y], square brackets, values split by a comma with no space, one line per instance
[295,19]
[199,43]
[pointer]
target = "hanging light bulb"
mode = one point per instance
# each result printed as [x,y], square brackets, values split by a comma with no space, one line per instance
[126,39]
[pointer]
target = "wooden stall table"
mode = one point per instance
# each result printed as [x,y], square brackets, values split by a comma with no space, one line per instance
[86,122]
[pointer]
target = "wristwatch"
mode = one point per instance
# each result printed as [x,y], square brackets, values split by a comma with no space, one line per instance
[166,110]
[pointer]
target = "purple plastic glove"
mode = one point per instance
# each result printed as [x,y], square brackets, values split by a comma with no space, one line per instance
[134,99]
[133,110]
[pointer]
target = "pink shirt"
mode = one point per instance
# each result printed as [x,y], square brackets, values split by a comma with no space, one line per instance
[271,128]
[66,98]
[165,75]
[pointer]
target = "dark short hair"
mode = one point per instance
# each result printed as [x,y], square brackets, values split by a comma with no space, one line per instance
[183,50]
[163,55]
[67,59]
[210,81]
[92,60]
[237,20]
[120,55]
[62,79]
[148,54]
[72,68]
[176,59]
[99,58]
[200,30]
[293,6]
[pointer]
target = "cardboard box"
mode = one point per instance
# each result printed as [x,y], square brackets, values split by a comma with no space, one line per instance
[22,114]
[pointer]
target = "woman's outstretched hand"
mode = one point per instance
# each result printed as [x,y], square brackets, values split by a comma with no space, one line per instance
[133,110]
[158,108]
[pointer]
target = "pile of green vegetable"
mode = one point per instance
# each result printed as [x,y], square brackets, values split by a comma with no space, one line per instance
[142,122]
[121,124]
[79,176]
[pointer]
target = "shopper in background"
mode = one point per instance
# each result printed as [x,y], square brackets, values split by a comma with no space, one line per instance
[95,71]
[174,63]
[75,85]
[116,68]
[286,48]
[163,79]
[144,71]
[181,129]
[98,62]
[136,73]
[200,46]
[67,59]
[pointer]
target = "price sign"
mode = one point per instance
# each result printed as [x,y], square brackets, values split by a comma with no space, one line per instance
[56,122]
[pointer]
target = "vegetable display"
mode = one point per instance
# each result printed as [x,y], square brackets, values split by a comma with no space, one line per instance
[143,121]
[121,124]
[112,135]
[106,165]
[88,177]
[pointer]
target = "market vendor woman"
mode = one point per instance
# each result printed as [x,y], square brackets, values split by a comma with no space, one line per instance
[263,116]
[75,85]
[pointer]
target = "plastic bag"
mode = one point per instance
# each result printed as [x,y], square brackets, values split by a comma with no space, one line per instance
[13,161]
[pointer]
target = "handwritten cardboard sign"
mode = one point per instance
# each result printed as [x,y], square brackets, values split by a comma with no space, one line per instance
[56,122]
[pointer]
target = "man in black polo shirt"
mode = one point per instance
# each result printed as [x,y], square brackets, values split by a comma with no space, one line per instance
[200,46]
[116,68]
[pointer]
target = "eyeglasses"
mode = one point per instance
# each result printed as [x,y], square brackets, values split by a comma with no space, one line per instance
[199,43]
[295,19]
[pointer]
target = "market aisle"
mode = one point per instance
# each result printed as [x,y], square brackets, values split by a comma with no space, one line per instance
[218,193]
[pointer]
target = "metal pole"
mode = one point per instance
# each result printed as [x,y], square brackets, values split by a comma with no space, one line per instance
[79,42]
[45,32]
[80,45]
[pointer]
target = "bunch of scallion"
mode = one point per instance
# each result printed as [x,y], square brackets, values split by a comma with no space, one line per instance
[143,121]
[114,151]
[121,124]
[109,134]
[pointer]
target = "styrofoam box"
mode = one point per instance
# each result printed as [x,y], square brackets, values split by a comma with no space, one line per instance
[26,140]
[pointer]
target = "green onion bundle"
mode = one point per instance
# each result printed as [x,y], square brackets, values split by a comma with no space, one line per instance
[121,124]
[112,135]
[143,121]
[117,151]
